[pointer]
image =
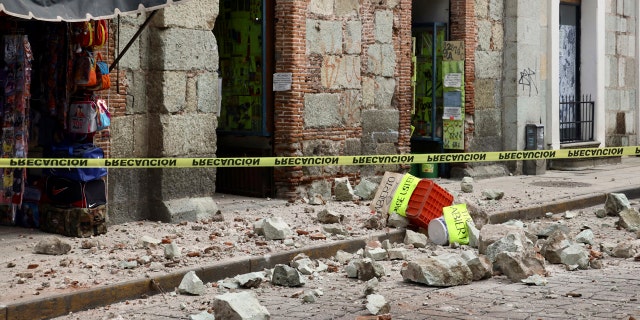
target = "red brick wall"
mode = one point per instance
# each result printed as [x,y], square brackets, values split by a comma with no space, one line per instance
[117,101]
[288,105]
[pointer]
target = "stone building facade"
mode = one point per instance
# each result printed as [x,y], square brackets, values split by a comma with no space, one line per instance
[351,89]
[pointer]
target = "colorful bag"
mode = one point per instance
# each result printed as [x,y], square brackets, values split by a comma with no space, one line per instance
[87,151]
[85,69]
[101,31]
[72,193]
[103,80]
[82,117]
[104,116]
[84,33]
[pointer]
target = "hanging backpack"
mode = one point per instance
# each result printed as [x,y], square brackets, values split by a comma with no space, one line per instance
[84,34]
[101,32]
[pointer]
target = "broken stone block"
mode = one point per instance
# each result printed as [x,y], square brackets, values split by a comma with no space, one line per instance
[536,280]
[466,185]
[445,270]
[335,228]
[250,280]
[275,228]
[585,236]
[366,189]
[306,266]
[479,265]
[52,246]
[191,284]
[343,190]
[351,269]
[629,219]
[258,227]
[343,257]
[575,254]
[204,315]
[517,265]
[376,254]
[491,233]
[377,304]
[284,275]
[397,253]
[239,305]
[512,242]
[368,269]
[148,242]
[616,202]
[474,234]
[418,240]
[491,194]
[397,221]
[327,217]
[545,229]
[554,245]
[371,287]
[171,251]
[626,249]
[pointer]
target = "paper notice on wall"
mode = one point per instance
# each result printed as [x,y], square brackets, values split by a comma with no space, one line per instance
[282,81]
[452,113]
[453,80]
[453,134]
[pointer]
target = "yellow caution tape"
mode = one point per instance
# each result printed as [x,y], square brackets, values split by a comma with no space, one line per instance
[403,193]
[319,160]
[456,217]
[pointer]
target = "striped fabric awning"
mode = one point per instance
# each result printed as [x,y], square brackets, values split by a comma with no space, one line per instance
[79,10]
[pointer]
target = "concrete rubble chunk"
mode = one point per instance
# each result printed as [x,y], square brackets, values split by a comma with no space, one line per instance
[376,221]
[351,269]
[626,249]
[258,227]
[491,233]
[376,254]
[191,284]
[466,185]
[480,265]
[284,275]
[305,266]
[204,315]
[397,221]
[492,194]
[275,228]
[512,242]
[368,269]
[326,216]
[148,242]
[585,236]
[629,219]
[171,251]
[316,200]
[250,280]
[377,304]
[366,189]
[444,270]
[52,246]
[517,265]
[616,202]
[416,239]
[545,229]
[343,190]
[242,305]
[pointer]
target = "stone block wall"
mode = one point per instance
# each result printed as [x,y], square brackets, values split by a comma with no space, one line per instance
[622,76]
[351,93]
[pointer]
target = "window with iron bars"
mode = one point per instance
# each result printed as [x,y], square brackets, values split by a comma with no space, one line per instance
[576,119]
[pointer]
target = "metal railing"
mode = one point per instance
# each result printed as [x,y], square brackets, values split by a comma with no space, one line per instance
[576,119]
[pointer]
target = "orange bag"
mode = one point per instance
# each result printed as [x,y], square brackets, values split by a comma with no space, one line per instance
[85,69]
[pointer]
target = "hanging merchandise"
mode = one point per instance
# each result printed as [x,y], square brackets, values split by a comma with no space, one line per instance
[85,69]
[16,82]
[101,32]
[103,80]
[104,116]
[82,116]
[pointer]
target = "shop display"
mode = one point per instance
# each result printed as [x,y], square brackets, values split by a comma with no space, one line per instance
[53,77]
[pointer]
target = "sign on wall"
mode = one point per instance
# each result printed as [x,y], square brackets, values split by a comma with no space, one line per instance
[453,80]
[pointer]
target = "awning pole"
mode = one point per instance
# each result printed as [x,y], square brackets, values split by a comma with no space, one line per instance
[135,36]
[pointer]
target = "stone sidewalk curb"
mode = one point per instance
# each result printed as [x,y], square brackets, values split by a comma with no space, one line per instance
[59,305]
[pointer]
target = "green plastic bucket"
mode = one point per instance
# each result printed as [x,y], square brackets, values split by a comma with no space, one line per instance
[428,170]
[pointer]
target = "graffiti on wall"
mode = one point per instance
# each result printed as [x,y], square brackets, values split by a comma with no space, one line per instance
[528,81]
